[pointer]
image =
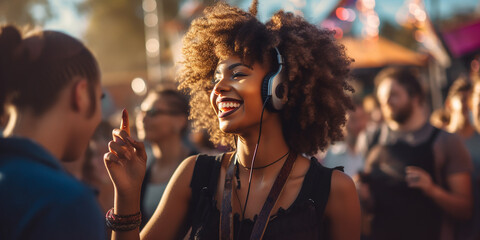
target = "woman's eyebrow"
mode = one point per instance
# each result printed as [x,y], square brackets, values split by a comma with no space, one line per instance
[238,64]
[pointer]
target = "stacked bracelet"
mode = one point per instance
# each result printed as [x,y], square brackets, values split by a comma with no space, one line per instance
[122,222]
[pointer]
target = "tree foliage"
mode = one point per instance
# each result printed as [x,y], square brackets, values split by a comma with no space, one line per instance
[401,35]
[115,33]
[19,12]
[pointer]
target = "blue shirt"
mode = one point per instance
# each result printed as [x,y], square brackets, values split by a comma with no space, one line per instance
[39,200]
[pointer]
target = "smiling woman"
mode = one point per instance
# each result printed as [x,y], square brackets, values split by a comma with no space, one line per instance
[316,85]
[274,92]
[237,91]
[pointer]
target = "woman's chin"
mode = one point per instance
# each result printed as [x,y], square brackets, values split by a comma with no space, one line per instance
[228,128]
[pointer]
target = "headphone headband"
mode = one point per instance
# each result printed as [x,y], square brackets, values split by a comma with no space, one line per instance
[273,88]
[280,66]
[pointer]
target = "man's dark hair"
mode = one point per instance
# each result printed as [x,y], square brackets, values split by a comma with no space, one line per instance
[405,76]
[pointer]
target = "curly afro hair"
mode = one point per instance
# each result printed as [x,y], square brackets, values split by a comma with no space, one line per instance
[317,70]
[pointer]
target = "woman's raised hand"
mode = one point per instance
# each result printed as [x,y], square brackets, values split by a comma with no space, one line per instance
[126,160]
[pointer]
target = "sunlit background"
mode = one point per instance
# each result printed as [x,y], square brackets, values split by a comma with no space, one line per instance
[138,42]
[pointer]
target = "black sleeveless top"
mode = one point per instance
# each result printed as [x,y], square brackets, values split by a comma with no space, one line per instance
[302,220]
[401,212]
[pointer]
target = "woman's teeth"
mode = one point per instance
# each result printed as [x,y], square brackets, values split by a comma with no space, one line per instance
[227,106]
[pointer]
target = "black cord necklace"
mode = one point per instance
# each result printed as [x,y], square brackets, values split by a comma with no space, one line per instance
[237,172]
[270,164]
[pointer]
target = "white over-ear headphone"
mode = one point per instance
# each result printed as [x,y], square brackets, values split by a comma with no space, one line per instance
[273,87]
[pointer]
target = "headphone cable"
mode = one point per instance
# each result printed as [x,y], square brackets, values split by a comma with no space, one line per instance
[251,168]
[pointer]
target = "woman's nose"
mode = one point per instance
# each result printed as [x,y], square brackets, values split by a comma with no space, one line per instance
[221,86]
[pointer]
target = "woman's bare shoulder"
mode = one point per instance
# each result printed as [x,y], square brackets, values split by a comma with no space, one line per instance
[342,182]
[342,193]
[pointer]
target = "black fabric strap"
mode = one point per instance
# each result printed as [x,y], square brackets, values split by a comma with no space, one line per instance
[318,189]
[277,188]
[226,217]
[205,174]
[226,221]
[204,182]
[321,190]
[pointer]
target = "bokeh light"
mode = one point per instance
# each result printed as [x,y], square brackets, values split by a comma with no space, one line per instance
[149,5]
[151,19]
[139,86]
[152,45]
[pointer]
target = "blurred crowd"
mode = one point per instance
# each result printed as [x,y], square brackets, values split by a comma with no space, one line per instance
[398,150]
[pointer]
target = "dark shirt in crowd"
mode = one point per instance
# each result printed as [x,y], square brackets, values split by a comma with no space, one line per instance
[39,200]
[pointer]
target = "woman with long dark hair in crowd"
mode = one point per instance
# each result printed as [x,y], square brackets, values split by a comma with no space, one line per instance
[275,92]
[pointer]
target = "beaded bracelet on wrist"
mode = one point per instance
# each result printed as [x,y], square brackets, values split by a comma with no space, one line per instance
[122,222]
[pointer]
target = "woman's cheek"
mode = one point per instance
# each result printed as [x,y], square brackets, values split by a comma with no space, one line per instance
[213,104]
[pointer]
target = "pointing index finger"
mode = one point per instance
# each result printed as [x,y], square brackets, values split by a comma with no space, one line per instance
[124,125]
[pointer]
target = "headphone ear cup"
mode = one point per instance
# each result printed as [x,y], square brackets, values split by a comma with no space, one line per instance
[264,89]
[278,93]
